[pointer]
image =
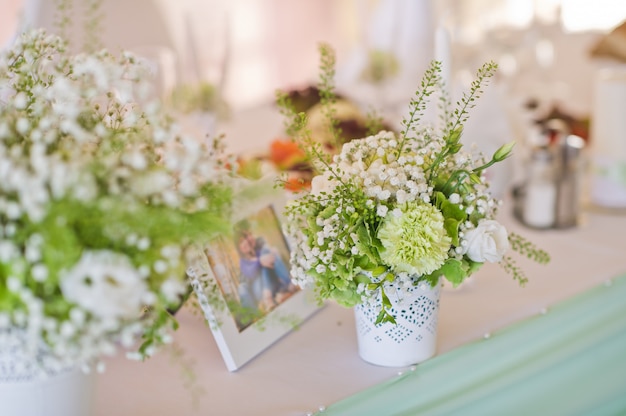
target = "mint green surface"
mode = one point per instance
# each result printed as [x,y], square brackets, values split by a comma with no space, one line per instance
[570,361]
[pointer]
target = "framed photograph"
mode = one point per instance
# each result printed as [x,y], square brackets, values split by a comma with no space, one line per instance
[244,287]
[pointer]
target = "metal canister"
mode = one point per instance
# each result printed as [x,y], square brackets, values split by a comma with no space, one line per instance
[569,164]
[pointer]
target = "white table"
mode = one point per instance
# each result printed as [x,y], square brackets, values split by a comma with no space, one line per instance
[319,364]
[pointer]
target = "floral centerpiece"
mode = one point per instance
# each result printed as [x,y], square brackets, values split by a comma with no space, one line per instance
[286,155]
[100,200]
[202,97]
[393,210]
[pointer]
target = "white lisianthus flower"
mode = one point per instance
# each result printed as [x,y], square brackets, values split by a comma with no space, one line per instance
[106,284]
[323,183]
[489,241]
[172,289]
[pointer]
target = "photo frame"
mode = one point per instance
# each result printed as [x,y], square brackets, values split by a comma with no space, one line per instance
[243,285]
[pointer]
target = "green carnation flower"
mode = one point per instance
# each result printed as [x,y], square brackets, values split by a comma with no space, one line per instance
[416,241]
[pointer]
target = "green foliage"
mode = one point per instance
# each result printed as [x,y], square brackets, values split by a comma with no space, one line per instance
[373,122]
[63,16]
[510,266]
[455,271]
[326,87]
[201,97]
[455,120]
[453,215]
[461,113]
[187,372]
[296,127]
[381,65]
[528,249]
[418,104]
[93,25]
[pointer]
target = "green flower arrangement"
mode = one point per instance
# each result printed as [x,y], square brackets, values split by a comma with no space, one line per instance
[101,202]
[200,97]
[381,66]
[393,210]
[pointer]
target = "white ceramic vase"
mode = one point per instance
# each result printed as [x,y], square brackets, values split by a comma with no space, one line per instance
[34,384]
[411,340]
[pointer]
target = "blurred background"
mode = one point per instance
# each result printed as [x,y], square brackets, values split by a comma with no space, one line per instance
[553,58]
[269,44]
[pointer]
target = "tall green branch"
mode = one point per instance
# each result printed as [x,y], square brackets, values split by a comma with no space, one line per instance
[510,266]
[328,97]
[92,25]
[461,113]
[296,128]
[528,249]
[62,17]
[417,106]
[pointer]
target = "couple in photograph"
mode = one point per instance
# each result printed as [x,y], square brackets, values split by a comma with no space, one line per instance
[264,280]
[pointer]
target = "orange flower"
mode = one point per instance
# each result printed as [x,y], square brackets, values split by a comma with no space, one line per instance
[295,184]
[285,154]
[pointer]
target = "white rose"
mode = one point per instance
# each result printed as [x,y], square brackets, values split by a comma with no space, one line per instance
[323,183]
[106,284]
[487,242]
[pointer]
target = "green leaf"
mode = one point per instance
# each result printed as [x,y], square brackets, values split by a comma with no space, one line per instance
[364,243]
[439,199]
[451,226]
[385,300]
[453,149]
[363,262]
[381,317]
[384,316]
[328,212]
[379,270]
[472,266]
[347,297]
[453,270]
[312,223]
[362,278]
[452,211]
[340,283]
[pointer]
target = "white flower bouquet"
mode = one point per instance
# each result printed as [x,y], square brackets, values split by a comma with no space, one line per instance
[392,210]
[100,200]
